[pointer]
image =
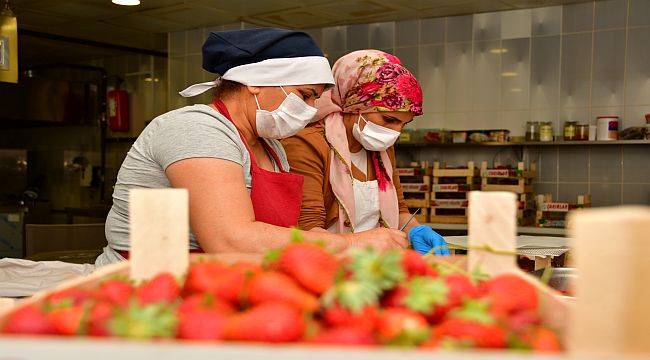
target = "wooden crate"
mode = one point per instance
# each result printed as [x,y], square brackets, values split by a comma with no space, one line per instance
[553,214]
[517,180]
[423,216]
[440,170]
[417,200]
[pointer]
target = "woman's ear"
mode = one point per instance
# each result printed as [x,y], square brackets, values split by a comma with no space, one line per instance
[255,90]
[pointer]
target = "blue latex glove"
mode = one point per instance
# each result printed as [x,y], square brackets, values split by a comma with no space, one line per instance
[423,239]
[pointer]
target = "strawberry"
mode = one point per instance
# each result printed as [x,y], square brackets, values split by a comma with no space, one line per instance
[217,279]
[198,323]
[510,293]
[350,335]
[415,265]
[522,320]
[310,265]
[395,297]
[400,326]
[162,288]
[98,319]
[460,288]
[472,324]
[544,340]
[28,320]
[68,297]
[337,316]
[421,293]
[275,286]
[267,322]
[205,302]
[156,320]
[115,291]
[67,320]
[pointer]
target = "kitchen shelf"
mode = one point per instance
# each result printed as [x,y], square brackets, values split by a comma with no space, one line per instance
[522,230]
[528,143]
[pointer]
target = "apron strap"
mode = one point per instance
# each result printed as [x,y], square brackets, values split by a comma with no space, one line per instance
[221,107]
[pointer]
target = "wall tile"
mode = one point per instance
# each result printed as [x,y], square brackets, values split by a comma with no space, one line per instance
[406,33]
[459,28]
[459,121]
[177,43]
[195,39]
[486,78]
[638,67]
[432,31]
[605,194]
[605,164]
[487,26]
[409,58]
[432,77]
[483,120]
[177,82]
[569,192]
[635,116]
[610,14]
[515,72]
[429,121]
[358,37]
[480,155]
[545,188]
[545,72]
[635,164]
[639,12]
[335,38]
[458,157]
[516,24]
[609,68]
[382,35]
[332,56]
[581,115]
[458,65]
[515,121]
[316,34]
[636,194]
[578,17]
[547,21]
[547,164]
[574,164]
[576,70]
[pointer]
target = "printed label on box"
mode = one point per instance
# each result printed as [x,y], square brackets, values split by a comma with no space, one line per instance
[560,207]
[415,187]
[406,172]
[450,203]
[498,173]
[445,188]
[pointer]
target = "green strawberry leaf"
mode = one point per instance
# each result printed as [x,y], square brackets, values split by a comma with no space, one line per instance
[271,257]
[296,236]
[145,322]
[478,275]
[352,295]
[411,337]
[424,293]
[383,271]
[474,310]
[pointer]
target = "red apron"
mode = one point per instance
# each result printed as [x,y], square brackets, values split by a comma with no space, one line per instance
[276,196]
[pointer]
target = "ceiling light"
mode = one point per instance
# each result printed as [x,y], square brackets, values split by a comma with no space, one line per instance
[516,90]
[126,2]
[509,74]
[498,51]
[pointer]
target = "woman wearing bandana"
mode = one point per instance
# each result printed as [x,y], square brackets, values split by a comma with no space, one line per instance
[227,155]
[347,158]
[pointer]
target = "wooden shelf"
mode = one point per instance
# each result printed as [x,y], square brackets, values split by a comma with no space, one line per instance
[529,143]
[525,230]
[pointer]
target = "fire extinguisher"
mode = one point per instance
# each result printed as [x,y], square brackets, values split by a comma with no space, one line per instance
[118,110]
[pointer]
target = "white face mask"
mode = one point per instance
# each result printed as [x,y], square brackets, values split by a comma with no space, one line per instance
[289,118]
[374,137]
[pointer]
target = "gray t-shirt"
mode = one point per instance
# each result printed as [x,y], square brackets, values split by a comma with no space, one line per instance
[196,131]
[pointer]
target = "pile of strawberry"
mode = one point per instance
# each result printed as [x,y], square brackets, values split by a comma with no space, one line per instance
[302,293]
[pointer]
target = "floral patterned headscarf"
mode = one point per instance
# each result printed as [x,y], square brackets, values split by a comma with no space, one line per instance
[372,80]
[365,81]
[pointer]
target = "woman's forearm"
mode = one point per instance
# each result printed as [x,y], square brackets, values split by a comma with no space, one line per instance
[403,218]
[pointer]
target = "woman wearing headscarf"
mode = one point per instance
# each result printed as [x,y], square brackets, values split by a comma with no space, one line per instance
[227,154]
[347,158]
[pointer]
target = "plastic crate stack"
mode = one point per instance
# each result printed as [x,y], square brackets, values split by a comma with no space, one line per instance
[416,185]
[552,214]
[518,180]
[449,191]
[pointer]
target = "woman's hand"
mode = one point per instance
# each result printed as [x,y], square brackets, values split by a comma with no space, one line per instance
[379,238]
